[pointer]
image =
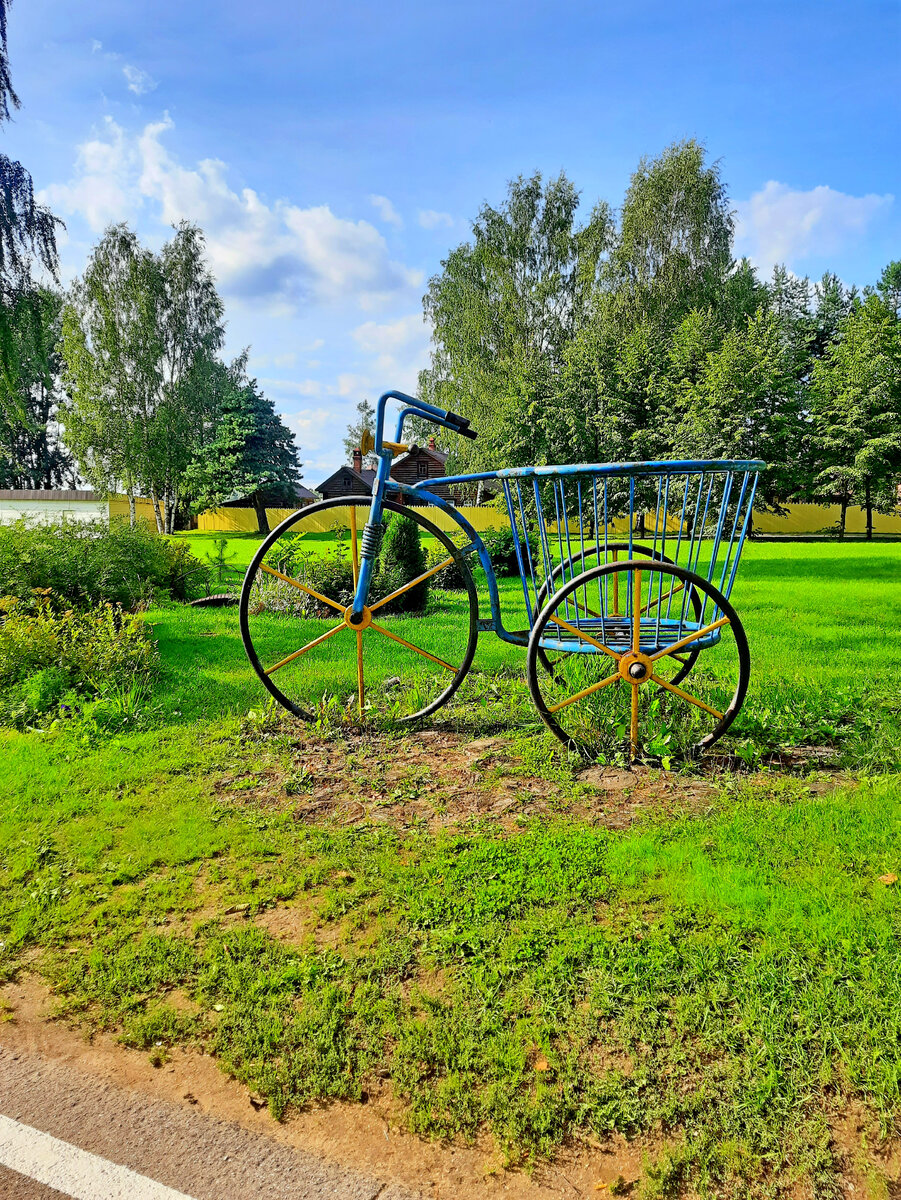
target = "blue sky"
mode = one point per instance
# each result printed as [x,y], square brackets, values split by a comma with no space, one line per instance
[334,153]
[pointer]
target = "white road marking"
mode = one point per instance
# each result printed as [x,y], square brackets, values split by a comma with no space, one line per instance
[73,1171]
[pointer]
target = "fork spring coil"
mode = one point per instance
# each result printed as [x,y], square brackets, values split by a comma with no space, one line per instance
[371,541]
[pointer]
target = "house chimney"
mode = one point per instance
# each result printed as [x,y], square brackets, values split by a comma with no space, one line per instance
[432,445]
[358,460]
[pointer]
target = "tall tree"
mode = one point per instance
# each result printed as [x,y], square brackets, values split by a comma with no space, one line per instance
[139,339]
[251,453]
[27,229]
[673,251]
[363,423]
[31,453]
[747,403]
[503,310]
[857,411]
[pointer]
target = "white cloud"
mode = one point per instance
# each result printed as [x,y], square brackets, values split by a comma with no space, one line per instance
[387,211]
[284,360]
[104,188]
[779,225]
[430,219]
[298,387]
[400,349]
[96,46]
[279,255]
[140,82]
[311,425]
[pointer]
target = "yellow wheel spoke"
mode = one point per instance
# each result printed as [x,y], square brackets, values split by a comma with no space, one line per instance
[585,636]
[671,687]
[692,637]
[303,587]
[595,687]
[355,554]
[633,728]
[360,670]
[636,613]
[412,584]
[309,646]
[419,650]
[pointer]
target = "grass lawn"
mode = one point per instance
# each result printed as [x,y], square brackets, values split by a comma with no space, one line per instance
[719,979]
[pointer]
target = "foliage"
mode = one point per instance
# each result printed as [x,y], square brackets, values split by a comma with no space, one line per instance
[48,652]
[501,546]
[31,453]
[503,310]
[85,562]
[641,338]
[857,398]
[220,559]
[364,422]
[250,453]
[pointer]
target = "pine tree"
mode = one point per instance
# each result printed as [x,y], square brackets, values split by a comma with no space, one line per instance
[251,452]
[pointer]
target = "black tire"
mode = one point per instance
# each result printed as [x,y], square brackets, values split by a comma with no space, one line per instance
[688,579]
[613,547]
[362,503]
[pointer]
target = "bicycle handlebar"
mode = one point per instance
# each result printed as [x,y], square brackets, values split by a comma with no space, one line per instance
[450,420]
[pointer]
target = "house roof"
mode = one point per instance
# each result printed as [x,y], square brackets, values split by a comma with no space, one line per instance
[440,456]
[364,477]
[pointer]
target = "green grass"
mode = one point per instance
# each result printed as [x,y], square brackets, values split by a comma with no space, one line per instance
[725,979]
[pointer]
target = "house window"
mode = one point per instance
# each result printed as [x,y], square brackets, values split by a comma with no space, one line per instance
[422,469]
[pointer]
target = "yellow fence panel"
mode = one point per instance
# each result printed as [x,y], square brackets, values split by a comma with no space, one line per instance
[800,519]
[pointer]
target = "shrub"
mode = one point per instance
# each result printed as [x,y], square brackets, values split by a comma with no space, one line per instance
[47,652]
[402,558]
[501,547]
[92,561]
[331,574]
[447,580]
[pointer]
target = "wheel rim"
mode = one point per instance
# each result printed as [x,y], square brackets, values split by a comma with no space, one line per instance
[616,549]
[613,696]
[296,628]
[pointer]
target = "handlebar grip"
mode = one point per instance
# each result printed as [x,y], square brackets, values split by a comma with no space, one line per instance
[470,433]
[456,419]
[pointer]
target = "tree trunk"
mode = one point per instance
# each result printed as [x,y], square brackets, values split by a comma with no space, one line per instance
[842,518]
[154,500]
[479,488]
[131,508]
[869,500]
[259,505]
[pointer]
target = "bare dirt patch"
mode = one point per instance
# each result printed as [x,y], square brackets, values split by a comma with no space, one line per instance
[438,779]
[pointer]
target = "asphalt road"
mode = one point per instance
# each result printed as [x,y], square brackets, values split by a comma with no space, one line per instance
[165,1145]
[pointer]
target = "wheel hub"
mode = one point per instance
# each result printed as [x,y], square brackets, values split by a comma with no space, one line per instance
[363,623]
[636,667]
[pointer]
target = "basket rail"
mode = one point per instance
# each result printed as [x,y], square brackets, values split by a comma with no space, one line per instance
[566,519]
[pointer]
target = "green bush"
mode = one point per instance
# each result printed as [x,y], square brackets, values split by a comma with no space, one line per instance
[402,558]
[501,547]
[330,574]
[92,561]
[46,653]
[449,578]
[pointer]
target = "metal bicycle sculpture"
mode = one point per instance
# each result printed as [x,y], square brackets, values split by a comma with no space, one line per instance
[626,572]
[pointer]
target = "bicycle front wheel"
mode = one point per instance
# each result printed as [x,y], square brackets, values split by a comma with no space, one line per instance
[416,641]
